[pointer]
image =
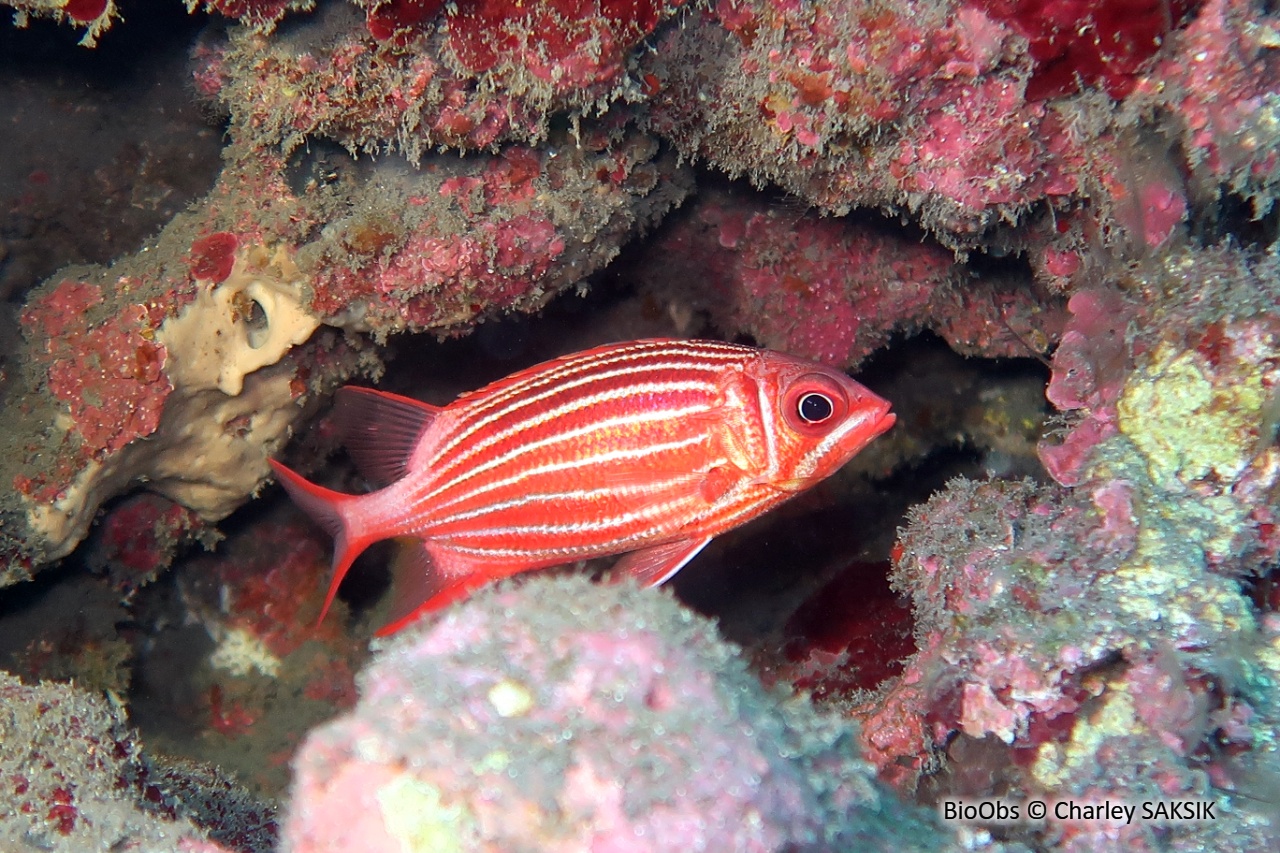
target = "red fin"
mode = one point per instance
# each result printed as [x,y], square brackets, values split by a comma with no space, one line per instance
[419,587]
[654,565]
[327,508]
[381,430]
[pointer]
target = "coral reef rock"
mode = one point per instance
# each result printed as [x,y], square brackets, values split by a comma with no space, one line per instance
[558,714]
[75,780]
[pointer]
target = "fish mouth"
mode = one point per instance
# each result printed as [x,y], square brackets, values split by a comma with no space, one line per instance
[882,419]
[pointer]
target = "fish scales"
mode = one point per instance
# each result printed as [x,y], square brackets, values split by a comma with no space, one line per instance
[648,447]
[522,493]
[579,429]
[634,411]
[511,404]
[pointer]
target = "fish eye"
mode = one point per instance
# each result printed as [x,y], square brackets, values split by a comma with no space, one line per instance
[813,404]
[814,408]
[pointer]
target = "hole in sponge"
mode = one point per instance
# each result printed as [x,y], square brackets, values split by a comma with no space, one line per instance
[251,312]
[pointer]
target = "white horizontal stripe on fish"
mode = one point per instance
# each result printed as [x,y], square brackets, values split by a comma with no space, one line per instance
[617,544]
[723,354]
[598,525]
[445,457]
[746,512]
[518,554]
[572,495]
[443,454]
[649,416]
[595,524]
[551,468]
[427,499]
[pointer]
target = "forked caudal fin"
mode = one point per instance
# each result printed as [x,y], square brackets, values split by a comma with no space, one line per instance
[329,510]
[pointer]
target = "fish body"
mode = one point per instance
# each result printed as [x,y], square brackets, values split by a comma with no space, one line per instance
[649,448]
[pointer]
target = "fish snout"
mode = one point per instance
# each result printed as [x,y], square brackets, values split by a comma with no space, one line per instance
[871,411]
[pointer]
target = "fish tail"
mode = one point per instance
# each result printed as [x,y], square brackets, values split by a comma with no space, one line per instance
[330,510]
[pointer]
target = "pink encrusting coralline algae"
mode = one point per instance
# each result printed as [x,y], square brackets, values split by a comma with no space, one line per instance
[1141,658]
[835,290]
[563,715]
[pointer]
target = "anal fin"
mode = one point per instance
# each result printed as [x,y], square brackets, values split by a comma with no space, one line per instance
[657,563]
[421,585]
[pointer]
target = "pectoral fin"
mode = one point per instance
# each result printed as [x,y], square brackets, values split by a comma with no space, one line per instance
[656,564]
[798,485]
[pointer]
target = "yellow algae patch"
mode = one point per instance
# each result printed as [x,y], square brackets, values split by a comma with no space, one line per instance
[1188,428]
[1156,583]
[415,814]
[1058,762]
[510,698]
[495,762]
[240,653]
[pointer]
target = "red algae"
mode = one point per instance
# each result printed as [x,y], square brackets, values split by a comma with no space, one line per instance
[852,635]
[1077,44]
[138,538]
[85,11]
[401,19]
[117,358]
[567,43]
[212,257]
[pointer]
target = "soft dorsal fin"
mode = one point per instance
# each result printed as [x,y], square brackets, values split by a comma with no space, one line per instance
[381,430]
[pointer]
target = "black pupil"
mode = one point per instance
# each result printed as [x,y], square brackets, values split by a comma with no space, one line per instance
[815,408]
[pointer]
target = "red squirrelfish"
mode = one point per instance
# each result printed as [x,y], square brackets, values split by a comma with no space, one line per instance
[650,447]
